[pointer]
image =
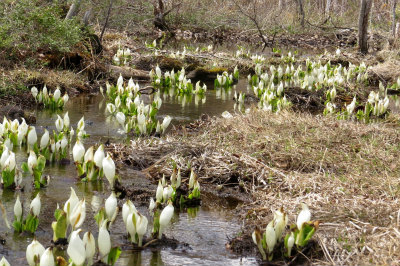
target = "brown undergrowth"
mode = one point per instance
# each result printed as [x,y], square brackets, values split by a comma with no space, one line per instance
[347,172]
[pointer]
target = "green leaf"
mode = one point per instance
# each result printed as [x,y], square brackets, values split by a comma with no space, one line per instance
[18,227]
[25,167]
[61,227]
[8,177]
[31,223]
[41,163]
[100,216]
[113,256]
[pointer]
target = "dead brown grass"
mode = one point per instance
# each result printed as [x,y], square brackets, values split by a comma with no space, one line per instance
[347,172]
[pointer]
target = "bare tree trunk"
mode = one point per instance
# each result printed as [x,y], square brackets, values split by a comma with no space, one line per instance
[328,6]
[106,22]
[363,20]
[73,9]
[301,11]
[394,4]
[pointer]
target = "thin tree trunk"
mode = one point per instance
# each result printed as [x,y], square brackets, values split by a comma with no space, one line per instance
[394,17]
[328,6]
[363,20]
[301,11]
[106,22]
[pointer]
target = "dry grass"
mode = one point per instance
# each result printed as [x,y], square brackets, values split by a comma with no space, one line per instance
[347,172]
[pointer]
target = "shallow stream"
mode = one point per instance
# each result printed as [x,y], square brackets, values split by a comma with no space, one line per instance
[205,230]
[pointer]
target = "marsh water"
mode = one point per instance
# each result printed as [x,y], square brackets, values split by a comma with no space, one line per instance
[203,232]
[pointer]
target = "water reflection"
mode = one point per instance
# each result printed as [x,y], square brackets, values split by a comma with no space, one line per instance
[203,228]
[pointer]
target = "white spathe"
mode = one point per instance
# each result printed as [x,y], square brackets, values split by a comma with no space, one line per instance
[304,216]
[34,252]
[66,120]
[165,218]
[59,123]
[141,227]
[78,151]
[18,209]
[111,207]
[47,258]
[89,156]
[32,136]
[71,203]
[76,249]
[99,156]
[78,215]
[36,205]
[44,141]
[90,247]
[109,169]
[104,241]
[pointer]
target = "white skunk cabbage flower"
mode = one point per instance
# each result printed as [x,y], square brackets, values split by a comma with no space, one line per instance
[165,218]
[167,193]
[71,203]
[10,162]
[78,151]
[256,236]
[290,243]
[4,262]
[104,241]
[131,225]
[159,192]
[78,215]
[165,123]
[90,247]
[57,94]
[280,222]
[89,156]
[35,205]
[81,124]
[18,209]
[34,91]
[120,118]
[158,72]
[34,252]
[65,98]
[192,179]
[64,142]
[152,205]
[32,137]
[99,156]
[127,209]
[111,207]
[59,123]
[141,227]
[109,169]
[351,106]
[304,216]
[66,120]
[45,140]
[32,161]
[76,248]
[47,258]
[4,156]
[270,237]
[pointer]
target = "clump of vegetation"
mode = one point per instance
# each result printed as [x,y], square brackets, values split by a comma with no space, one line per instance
[34,26]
